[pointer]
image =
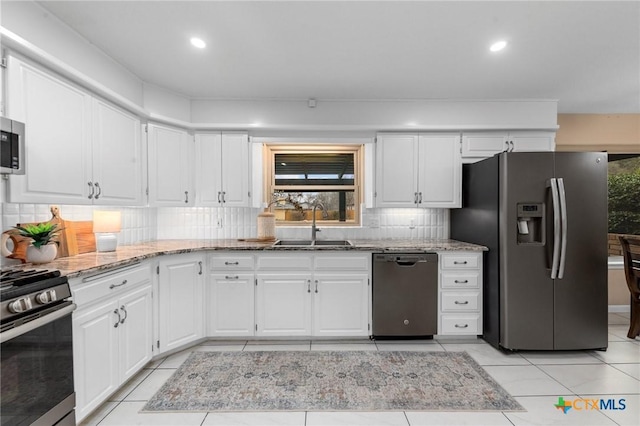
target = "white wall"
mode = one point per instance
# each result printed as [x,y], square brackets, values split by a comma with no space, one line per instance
[34,24]
[165,103]
[377,115]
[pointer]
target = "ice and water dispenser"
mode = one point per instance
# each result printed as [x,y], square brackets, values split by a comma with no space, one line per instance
[530,223]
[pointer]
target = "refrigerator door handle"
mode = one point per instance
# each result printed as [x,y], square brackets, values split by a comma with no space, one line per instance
[556,227]
[563,225]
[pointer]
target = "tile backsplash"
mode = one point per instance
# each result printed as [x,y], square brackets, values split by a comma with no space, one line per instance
[141,224]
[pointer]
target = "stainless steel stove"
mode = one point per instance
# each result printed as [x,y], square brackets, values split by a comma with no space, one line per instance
[37,350]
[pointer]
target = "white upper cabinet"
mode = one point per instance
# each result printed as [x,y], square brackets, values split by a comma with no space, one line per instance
[170,171]
[79,149]
[117,157]
[422,170]
[222,169]
[478,145]
[396,170]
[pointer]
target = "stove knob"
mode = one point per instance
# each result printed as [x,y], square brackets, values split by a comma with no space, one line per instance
[20,305]
[46,297]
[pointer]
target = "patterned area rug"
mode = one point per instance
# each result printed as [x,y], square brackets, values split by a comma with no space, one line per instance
[330,381]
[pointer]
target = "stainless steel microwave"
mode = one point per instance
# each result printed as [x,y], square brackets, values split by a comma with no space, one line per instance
[11,147]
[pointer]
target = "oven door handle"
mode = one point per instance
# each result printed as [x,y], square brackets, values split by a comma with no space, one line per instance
[39,322]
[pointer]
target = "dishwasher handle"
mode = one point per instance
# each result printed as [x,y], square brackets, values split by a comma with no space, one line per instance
[408,263]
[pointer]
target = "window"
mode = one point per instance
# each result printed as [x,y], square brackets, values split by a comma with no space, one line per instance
[624,193]
[304,176]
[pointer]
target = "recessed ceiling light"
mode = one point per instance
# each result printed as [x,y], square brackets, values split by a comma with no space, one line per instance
[498,46]
[197,42]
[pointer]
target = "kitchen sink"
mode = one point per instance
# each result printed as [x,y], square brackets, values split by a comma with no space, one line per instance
[333,243]
[293,243]
[310,243]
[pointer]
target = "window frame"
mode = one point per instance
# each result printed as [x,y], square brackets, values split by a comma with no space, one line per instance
[270,151]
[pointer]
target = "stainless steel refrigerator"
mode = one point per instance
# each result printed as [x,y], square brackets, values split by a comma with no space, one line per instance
[543,216]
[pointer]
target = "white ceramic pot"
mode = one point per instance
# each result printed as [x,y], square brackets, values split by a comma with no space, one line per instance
[42,254]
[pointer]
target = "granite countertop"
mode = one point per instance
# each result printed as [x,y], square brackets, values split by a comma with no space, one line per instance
[94,262]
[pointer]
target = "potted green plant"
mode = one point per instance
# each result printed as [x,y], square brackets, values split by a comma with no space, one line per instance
[44,241]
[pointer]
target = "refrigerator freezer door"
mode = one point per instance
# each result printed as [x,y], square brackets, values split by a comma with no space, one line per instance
[526,286]
[580,298]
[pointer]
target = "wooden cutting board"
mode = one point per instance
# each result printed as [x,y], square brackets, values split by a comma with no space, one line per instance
[75,237]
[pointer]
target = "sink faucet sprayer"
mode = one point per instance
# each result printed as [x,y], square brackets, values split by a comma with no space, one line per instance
[325,215]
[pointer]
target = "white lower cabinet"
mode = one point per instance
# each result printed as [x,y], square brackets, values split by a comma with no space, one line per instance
[230,304]
[180,300]
[329,296]
[112,333]
[460,293]
[283,304]
[341,304]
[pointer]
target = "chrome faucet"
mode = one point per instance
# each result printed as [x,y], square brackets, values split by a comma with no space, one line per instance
[314,228]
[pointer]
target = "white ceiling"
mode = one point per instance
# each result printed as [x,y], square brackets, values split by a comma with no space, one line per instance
[585,54]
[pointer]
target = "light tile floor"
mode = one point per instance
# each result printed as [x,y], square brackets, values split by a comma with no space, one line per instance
[535,379]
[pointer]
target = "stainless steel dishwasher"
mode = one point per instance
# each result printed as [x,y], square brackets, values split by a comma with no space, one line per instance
[405,295]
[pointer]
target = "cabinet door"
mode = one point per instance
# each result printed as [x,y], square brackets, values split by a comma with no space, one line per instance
[396,171]
[230,306]
[170,160]
[181,305]
[136,331]
[483,145]
[440,171]
[208,169]
[340,305]
[117,158]
[57,117]
[283,305]
[95,355]
[533,141]
[235,170]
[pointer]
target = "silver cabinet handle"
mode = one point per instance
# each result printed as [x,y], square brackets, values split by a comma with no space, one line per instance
[462,326]
[112,286]
[507,148]
[231,277]
[92,190]
[308,286]
[420,200]
[99,193]
[457,302]
[513,146]
[223,197]
[125,314]
[316,286]
[415,198]
[200,265]
[117,312]
[186,197]
[563,227]
[456,262]
[231,263]
[461,281]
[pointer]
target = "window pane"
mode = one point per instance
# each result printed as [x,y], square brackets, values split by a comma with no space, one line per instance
[297,206]
[314,169]
[624,193]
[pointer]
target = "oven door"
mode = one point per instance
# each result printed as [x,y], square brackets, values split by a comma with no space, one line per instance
[37,371]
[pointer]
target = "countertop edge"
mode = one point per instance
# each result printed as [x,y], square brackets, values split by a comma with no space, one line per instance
[95,263]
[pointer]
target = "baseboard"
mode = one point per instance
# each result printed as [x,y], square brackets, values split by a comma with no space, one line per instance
[619,308]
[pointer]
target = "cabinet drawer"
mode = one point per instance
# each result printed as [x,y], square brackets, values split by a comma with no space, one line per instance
[232,263]
[342,262]
[460,261]
[460,279]
[89,289]
[285,262]
[460,324]
[460,301]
